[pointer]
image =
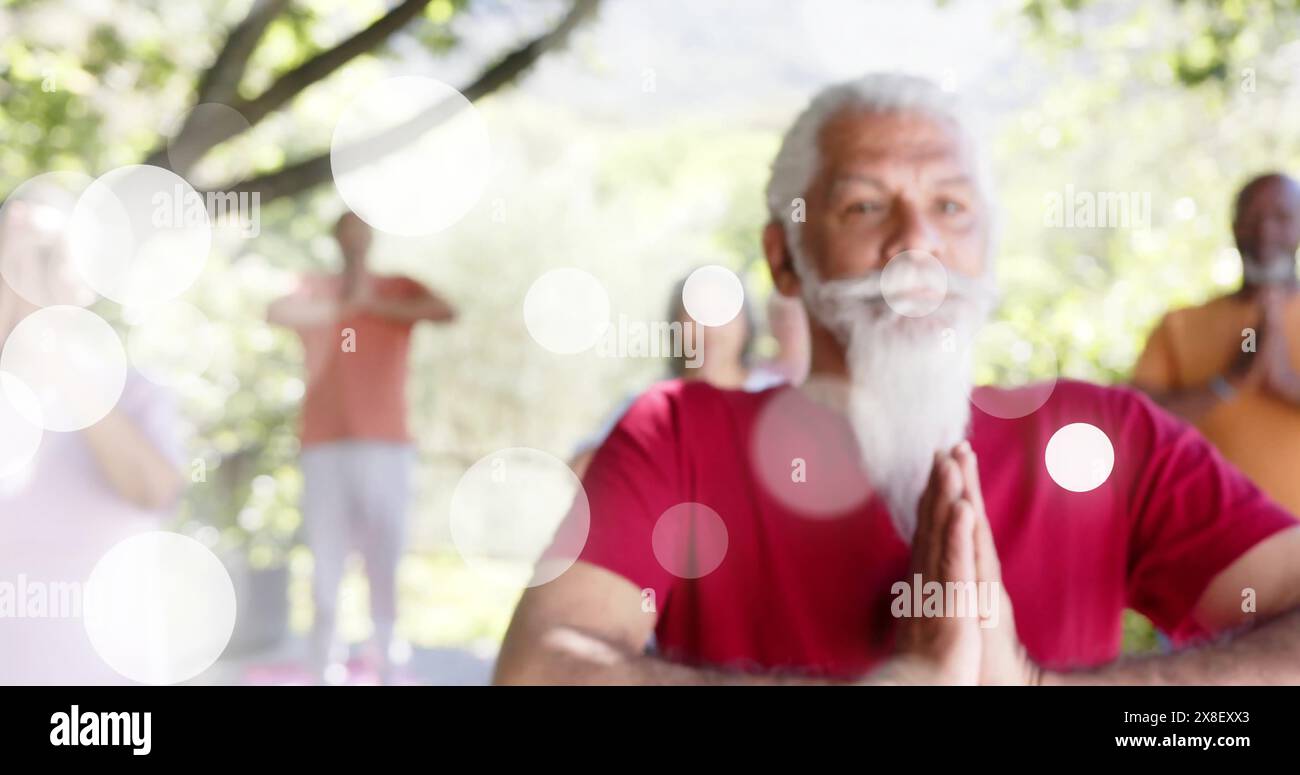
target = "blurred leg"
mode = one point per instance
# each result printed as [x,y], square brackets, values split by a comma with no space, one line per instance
[386,494]
[325,504]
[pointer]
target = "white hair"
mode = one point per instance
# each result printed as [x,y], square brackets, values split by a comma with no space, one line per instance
[797,161]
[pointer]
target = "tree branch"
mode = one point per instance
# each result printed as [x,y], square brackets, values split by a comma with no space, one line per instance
[196,138]
[323,64]
[302,175]
[219,83]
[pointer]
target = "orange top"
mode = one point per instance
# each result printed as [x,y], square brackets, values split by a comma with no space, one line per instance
[1256,431]
[356,368]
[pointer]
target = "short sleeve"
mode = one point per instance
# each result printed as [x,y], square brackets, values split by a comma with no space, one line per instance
[1192,515]
[403,287]
[632,480]
[313,286]
[1155,369]
[597,437]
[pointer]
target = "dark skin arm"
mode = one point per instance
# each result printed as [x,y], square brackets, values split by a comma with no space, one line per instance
[1192,403]
[1267,368]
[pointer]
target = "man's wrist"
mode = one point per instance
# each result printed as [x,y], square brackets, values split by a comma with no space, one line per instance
[1222,388]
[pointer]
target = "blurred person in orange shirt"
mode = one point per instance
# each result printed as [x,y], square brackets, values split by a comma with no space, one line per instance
[356,454]
[1229,366]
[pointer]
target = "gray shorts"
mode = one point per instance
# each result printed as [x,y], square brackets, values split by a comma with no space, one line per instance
[356,492]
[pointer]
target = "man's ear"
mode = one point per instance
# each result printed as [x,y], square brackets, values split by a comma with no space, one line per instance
[779,260]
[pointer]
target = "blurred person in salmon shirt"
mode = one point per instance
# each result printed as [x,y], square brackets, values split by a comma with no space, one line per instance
[356,449]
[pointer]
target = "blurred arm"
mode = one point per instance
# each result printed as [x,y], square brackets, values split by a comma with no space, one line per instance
[301,310]
[1265,654]
[587,627]
[1190,404]
[422,304]
[134,467]
[1156,375]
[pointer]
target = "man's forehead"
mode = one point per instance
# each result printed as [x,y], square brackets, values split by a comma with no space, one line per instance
[862,140]
[1271,190]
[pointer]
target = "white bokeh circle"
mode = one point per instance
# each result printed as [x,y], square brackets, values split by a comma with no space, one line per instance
[713,295]
[20,435]
[411,156]
[72,360]
[805,454]
[914,283]
[566,310]
[1079,457]
[159,608]
[140,235]
[690,540]
[1016,375]
[520,511]
[170,343]
[35,259]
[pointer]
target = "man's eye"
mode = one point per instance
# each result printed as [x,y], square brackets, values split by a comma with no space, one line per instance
[951,207]
[864,208]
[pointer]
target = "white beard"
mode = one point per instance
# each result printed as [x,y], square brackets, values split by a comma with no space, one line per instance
[907,399]
[910,380]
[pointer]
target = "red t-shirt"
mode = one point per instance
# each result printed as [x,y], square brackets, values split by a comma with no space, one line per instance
[805,590]
[356,368]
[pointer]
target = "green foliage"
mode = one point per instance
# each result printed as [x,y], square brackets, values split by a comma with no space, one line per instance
[1139,634]
[1215,38]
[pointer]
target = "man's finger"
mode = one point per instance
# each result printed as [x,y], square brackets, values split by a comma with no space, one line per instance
[970,474]
[921,539]
[987,565]
[958,560]
[948,491]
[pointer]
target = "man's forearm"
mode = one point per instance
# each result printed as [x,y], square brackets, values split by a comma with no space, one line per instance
[645,670]
[1267,654]
[571,658]
[303,313]
[1190,404]
[412,310]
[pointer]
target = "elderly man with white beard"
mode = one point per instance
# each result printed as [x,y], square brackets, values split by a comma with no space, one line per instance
[783,536]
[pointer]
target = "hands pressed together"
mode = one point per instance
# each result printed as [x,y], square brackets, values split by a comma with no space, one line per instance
[357,298]
[1267,367]
[953,543]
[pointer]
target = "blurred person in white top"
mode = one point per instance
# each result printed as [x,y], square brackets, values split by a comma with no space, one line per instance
[83,491]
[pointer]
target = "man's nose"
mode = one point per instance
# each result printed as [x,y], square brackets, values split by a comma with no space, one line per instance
[910,229]
[1273,231]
